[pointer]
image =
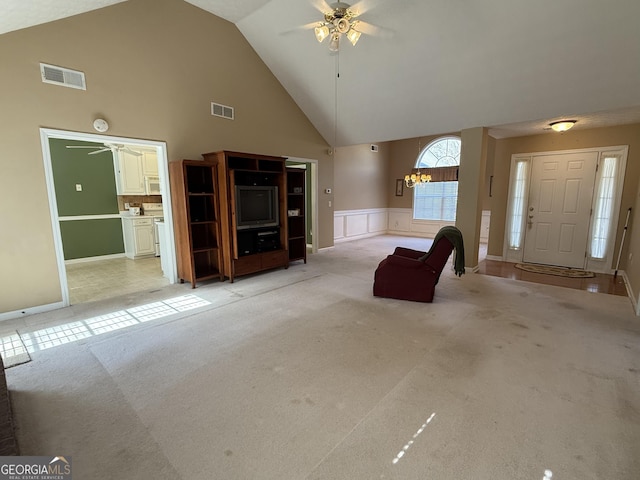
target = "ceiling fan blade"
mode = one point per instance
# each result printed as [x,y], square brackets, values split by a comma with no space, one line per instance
[301,28]
[100,151]
[373,30]
[322,6]
[81,146]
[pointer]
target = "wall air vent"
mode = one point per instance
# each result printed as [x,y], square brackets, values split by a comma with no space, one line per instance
[223,111]
[62,76]
[374,148]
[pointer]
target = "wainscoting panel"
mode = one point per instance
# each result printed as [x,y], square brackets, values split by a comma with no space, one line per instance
[354,224]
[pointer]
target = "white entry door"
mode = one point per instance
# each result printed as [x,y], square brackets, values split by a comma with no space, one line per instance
[559,209]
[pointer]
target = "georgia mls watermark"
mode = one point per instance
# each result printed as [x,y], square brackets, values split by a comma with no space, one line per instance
[35,468]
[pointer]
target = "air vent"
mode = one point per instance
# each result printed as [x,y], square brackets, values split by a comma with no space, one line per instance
[374,148]
[223,111]
[62,76]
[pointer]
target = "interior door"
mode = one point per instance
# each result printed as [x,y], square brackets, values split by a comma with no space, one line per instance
[559,209]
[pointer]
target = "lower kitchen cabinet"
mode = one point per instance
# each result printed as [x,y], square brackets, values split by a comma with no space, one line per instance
[138,237]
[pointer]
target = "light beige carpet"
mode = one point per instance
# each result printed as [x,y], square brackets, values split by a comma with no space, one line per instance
[303,374]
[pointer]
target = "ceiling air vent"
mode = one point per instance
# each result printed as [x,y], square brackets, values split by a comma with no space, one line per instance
[62,76]
[223,111]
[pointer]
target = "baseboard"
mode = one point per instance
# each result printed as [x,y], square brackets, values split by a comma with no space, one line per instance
[94,259]
[496,258]
[630,293]
[358,237]
[30,311]
[325,249]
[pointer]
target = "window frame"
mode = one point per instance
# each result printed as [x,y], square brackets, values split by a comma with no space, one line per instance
[418,164]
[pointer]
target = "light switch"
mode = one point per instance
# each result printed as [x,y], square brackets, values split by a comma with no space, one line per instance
[78,187]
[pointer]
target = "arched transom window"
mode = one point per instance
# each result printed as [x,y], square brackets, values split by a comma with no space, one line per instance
[437,200]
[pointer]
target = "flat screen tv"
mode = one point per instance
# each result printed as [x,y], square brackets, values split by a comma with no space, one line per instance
[256,206]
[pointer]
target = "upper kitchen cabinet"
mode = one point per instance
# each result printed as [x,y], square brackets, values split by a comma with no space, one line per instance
[129,174]
[149,163]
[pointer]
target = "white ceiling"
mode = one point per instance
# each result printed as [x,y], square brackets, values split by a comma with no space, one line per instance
[434,66]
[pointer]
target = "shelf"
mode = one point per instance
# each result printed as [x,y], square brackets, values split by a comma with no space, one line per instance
[199,179]
[195,215]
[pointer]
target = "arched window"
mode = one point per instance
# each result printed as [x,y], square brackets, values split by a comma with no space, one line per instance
[437,200]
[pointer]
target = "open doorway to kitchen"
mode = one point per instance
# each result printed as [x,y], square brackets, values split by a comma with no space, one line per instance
[109,201]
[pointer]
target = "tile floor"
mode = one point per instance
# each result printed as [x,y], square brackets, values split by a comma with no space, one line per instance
[102,279]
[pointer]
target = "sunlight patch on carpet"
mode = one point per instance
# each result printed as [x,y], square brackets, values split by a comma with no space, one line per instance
[13,351]
[71,332]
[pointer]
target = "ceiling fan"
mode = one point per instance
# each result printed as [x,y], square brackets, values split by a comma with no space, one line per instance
[338,19]
[108,147]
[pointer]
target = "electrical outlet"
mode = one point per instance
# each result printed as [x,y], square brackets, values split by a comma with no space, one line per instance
[126,206]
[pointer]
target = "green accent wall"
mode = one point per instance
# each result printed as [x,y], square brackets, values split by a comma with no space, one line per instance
[95,173]
[71,166]
[91,238]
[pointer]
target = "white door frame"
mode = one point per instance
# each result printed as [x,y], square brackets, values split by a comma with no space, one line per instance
[163,171]
[594,265]
[314,199]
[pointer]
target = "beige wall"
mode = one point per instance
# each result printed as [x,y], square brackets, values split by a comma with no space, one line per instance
[152,68]
[574,139]
[360,177]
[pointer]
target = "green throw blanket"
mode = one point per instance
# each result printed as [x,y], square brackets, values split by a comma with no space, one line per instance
[455,237]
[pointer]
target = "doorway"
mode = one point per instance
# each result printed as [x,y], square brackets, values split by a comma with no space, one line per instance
[109,262]
[563,207]
[559,209]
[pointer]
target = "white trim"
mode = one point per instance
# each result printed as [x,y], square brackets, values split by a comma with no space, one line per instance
[599,266]
[326,249]
[496,258]
[163,173]
[355,224]
[94,259]
[30,311]
[635,301]
[89,217]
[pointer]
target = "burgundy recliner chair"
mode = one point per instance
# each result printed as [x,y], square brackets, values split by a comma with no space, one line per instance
[412,275]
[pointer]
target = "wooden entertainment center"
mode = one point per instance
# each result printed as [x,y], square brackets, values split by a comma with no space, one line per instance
[243,227]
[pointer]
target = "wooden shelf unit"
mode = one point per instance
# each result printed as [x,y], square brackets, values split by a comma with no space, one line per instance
[241,251]
[296,207]
[196,220]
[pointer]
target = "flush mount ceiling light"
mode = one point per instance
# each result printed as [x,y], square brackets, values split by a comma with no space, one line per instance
[339,21]
[563,125]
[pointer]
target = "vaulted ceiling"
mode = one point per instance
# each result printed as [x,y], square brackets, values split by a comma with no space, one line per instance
[427,67]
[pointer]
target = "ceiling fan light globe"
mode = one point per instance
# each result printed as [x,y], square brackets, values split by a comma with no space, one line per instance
[321,32]
[342,25]
[334,44]
[353,36]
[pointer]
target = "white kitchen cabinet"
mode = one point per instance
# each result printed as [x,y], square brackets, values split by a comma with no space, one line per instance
[129,176]
[139,240]
[149,163]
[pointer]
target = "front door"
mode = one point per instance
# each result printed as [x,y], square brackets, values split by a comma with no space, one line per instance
[559,209]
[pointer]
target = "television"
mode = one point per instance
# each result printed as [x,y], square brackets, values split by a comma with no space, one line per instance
[256,206]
